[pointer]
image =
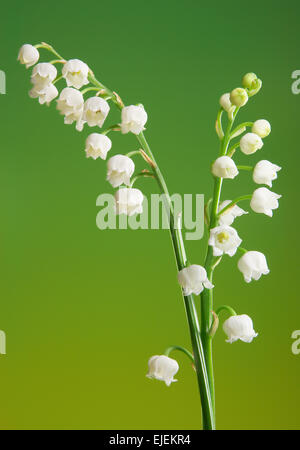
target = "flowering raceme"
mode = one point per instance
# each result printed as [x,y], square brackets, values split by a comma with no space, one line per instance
[91,105]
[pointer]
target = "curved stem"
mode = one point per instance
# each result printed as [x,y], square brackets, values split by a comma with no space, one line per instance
[226,308]
[181,349]
[241,126]
[234,202]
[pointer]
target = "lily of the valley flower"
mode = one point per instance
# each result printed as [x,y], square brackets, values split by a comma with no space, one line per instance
[250,143]
[119,170]
[253,265]
[239,327]
[239,97]
[265,172]
[224,239]
[133,119]
[45,95]
[193,279]
[262,128]
[162,368]
[264,201]
[225,102]
[227,218]
[224,167]
[28,55]
[70,104]
[76,73]
[97,145]
[43,74]
[129,201]
[95,111]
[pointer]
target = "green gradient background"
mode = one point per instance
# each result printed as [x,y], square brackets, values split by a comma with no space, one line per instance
[84,309]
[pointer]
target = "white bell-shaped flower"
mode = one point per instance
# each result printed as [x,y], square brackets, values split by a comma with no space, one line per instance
[239,327]
[28,55]
[133,119]
[265,172]
[129,201]
[97,145]
[119,170]
[162,368]
[262,128]
[76,73]
[224,239]
[43,74]
[225,102]
[70,104]
[239,97]
[224,167]
[264,201]
[227,218]
[250,143]
[193,279]
[253,265]
[45,95]
[95,111]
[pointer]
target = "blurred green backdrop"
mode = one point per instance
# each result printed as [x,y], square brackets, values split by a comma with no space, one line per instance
[83,309]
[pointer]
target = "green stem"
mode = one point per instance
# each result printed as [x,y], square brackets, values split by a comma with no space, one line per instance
[226,308]
[234,202]
[181,349]
[239,127]
[249,168]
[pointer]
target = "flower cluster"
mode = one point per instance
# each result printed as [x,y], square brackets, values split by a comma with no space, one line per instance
[92,111]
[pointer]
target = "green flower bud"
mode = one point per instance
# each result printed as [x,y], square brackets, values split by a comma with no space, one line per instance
[249,80]
[239,97]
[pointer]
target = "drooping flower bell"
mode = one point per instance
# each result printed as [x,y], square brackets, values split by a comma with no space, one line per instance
[239,327]
[262,128]
[264,201]
[28,55]
[75,73]
[225,102]
[227,218]
[162,368]
[43,74]
[253,265]
[250,143]
[265,172]
[193,279]
[224,167]
[133,119]
[119,170]
[45,95]
[129,201]
[97,146]
[224,239]
[70,104]
[95,111]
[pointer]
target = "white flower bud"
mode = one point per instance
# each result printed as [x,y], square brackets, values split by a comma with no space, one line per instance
[95,111]
[227,218]
[28,55]
[129,201]
[97,145]
[239,97]
[119,170]
[264,201]
[253,265]
[133,119]
[43,74]
[70,104]
[224,167]
[249,80]
[225,102]
[265,172]
[239,327]
[162,368]
[193,279]
[45,95]
[250,143]
[262,128]
[76,73]
[224,239]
